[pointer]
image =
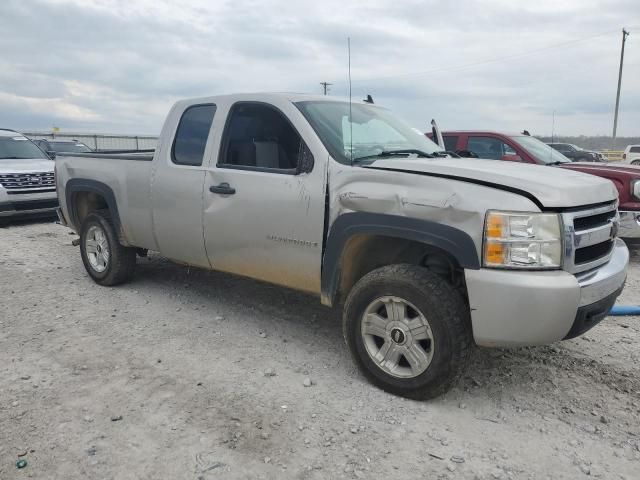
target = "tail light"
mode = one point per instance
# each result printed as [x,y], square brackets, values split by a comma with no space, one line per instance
[624,156]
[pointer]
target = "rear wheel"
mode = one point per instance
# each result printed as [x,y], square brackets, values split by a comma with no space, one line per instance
[105,259]
[408,330]
[635,162]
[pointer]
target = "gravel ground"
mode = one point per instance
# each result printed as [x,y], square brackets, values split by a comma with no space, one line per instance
[188,374]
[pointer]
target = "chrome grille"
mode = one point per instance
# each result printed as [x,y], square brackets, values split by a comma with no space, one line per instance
[16,183]
[589,237]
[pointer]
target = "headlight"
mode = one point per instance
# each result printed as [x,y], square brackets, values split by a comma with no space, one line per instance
[522,240]
[635,189]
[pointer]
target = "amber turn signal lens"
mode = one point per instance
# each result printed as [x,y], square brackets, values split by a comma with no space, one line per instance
[494,253]
[495,224]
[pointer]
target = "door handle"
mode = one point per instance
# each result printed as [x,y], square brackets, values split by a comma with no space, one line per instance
[223,188]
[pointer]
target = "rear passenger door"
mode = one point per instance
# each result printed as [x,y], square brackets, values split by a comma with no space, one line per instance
[265,199]
[177,185]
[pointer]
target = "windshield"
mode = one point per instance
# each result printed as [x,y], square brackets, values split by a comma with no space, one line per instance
[372,133]
[541,151]
[68,147]
[19,147]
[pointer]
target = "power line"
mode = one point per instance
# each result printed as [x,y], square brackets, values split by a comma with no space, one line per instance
[487,61]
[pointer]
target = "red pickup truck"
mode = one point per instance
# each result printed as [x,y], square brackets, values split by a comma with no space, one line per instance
[520,147]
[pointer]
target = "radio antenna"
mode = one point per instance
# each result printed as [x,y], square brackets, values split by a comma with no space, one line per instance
[350,122]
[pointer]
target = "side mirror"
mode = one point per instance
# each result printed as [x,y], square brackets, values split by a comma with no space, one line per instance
[305,160]
[51,154]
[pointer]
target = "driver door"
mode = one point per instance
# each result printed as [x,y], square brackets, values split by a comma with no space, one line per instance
[264,200]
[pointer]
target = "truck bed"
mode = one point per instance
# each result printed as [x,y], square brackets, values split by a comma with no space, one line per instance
[127,174]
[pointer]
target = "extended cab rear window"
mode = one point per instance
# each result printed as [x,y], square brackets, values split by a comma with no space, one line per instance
[191,136]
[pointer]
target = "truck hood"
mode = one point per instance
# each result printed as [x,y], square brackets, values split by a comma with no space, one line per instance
[552,188]
[26,165]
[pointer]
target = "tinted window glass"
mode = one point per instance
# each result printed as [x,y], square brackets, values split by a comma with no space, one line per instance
[192,133]
[489,148]
[508,150]
[15,146]
[539,150]
[635,150]
[260,136]
[450,143]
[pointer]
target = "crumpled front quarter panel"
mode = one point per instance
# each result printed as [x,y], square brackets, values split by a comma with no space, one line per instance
[455,203]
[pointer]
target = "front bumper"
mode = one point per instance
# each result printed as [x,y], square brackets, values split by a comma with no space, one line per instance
[517,308]
[629,224]
[27,204]
[21,207]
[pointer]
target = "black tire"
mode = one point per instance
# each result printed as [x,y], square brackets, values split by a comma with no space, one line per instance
[446,312]
[635,162]
[122,260]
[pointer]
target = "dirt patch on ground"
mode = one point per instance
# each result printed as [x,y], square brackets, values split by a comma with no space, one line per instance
[188,374]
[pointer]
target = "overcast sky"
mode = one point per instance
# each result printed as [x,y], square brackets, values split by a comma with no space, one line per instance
[116,66]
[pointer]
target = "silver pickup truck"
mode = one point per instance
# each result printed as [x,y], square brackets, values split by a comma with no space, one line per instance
[426,254]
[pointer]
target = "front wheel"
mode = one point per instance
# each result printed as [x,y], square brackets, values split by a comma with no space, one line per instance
[408,330]
[105,259]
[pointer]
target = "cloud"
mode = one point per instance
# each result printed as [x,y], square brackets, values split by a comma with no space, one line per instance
[118,65]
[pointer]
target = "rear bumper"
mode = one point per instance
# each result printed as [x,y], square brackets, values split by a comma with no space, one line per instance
[516,308]
[629,224]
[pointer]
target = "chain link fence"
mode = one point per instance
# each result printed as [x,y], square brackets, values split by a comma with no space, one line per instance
[100,141]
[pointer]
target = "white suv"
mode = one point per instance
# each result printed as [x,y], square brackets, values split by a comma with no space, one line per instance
[27,184]
[631,154]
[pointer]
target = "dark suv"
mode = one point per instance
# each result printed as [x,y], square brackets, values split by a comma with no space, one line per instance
[577,154]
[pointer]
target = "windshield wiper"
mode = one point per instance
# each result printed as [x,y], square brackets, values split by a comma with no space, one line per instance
[391,153]
[557,162]
[408,151]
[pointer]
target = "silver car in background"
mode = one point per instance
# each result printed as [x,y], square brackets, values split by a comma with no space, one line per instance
[27,184]
[53,147]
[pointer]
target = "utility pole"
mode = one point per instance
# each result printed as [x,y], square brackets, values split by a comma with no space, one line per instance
[625,34]
[325,86]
